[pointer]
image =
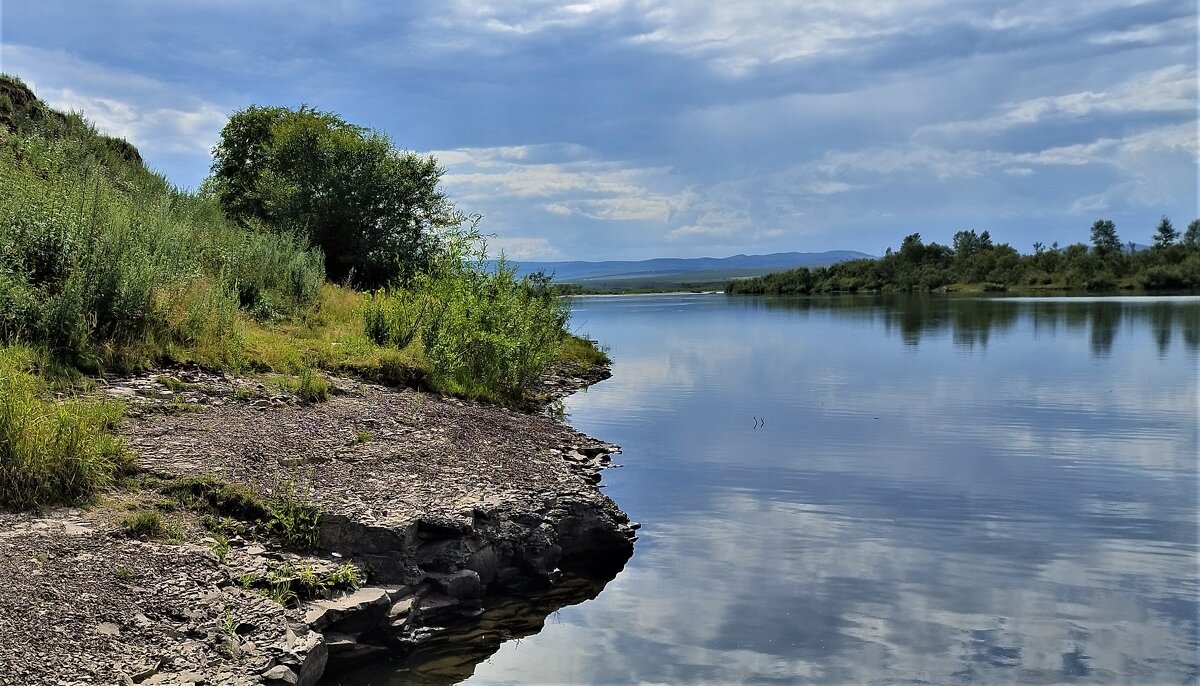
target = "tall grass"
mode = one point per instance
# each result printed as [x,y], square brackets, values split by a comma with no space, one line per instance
[52,451]
[484,332]
[104,262]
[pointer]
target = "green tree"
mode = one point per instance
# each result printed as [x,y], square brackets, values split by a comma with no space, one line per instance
[1191,237]
[1104,237]
[1165,235]
[374,210]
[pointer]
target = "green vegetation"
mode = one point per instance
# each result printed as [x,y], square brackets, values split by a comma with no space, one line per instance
[287,515]
[104,266]
[210,495]
[150,525]
[52,450]
[292,517]
[485,333]
[289,585]
[310,386]
[372,210]
[975,262]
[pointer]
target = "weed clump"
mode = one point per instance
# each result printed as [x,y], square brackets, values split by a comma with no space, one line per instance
[150,525]
[293,518]
[308,385]
[288,584]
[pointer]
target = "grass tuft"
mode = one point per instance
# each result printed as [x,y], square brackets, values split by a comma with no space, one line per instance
[52,451]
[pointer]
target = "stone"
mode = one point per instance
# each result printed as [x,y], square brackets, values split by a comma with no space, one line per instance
[280,676]
[461,584]
[402,607]
[352,613]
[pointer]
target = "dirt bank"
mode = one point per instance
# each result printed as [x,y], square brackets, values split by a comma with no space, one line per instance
[425,503]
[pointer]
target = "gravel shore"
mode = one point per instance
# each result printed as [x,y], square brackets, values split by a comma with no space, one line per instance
[435,502]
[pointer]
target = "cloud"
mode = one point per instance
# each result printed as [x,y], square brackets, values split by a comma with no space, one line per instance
[523,248]
[162,119]
[829,187]
[152,130]
[1181,29]
[532,16]
[571,184]
[1170,89]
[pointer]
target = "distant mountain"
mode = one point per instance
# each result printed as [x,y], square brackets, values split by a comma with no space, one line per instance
[665,268]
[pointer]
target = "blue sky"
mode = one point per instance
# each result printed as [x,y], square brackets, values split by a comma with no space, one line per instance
[629,129]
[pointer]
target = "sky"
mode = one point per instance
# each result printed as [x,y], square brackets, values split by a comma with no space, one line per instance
[632,129]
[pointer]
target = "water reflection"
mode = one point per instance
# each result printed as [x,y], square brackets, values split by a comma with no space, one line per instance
[946,490]
[451,653]
[973,320]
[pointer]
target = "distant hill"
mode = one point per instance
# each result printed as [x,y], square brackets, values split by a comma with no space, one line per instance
[665,270]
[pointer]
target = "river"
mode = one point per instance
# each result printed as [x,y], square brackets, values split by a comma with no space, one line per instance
[863,489]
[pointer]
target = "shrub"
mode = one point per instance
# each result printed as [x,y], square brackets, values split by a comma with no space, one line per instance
[371,208]
[293,518]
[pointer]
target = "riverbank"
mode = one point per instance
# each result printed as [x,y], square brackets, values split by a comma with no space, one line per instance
[406,508]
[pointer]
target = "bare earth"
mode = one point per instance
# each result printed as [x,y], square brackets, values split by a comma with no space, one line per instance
[437,501]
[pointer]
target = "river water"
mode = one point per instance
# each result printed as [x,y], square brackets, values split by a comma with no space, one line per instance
[863,489]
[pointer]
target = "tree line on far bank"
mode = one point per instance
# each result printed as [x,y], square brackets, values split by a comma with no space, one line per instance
[974,260]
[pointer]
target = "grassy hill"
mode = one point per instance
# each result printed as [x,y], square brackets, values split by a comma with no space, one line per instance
[106,267]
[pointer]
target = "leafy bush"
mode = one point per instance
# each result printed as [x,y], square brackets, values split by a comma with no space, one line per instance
[371,208]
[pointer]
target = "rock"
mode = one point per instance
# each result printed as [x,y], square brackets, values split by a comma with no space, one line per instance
[461,584]
[352,613]
[280,676]
[436,605]
[402,607]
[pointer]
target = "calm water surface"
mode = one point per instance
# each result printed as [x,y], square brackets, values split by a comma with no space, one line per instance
[944,489]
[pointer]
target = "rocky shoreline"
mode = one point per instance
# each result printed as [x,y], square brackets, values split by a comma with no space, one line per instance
[427,504]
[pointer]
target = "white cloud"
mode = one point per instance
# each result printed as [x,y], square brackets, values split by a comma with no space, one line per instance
[913,157]
[159,118]
[738,37]
[530,16]
[558,208]
[1183,28]
[829,187]
[523,248]
[162,129]
[1171,89]
[602,190]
